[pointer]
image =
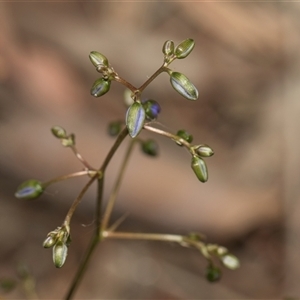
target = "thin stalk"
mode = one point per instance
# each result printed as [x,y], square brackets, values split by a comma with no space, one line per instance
[150,79]
[81,159]
[113,196]
[114,148]
[174,137]
[81,270]
[65,177]
[125,82]
[99,205]
[144,236]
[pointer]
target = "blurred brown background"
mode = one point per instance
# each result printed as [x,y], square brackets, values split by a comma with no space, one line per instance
[245,66]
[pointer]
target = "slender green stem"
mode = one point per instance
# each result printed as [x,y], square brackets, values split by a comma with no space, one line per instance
[81,270]
[78,200]
[125,82]
[113,196]
[150,79]
[144,236]
[99,205]
[64,177]
[81,159]
[114,148]
[174,137]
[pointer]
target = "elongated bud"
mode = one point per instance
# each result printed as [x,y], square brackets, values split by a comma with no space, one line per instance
[100,87]
[168,48]
[183,86]
[230,261]
[150,147]
[98,59]
[49,241]
[152,109]
[60,252]
[184,48]
[29,189]
[204,150]
[199,167]
[59,132]
[135,118]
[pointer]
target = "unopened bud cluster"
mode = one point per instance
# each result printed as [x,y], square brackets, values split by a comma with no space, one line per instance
[59,239]
[60,133]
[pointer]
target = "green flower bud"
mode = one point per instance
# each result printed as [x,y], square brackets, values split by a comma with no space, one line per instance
[68,141]
[135,118]
[152,109]
[98,59]
[29,189]
[183,86]
[59,132]
[49,241]
[184,48]
[194,236]
[230,261]
[199,167]
[150,147]
[184,135]
[168,48]
[204,150]
[114,128]
[100,87]
[59,252]
[213,273]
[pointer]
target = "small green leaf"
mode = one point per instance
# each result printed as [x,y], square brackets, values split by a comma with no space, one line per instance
[135,118]
[168,48]
[183,86]
[29,189]
[184,48]
[150,147]
[60,252]
[59,132]
[199,167]
[98,59]
[100,87]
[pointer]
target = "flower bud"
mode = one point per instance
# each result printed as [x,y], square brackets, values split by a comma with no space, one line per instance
[114,128]
[199,167]
[152,109]
[49,241]
[213,273]
[184,48]
[29,189]
[100,87]
[230,261]
[204,150]
[59,132]
[168,48]
[68,141]
[59,252]
[150,147]
[98,59]
[135,118]
[184,135]
[183,86]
